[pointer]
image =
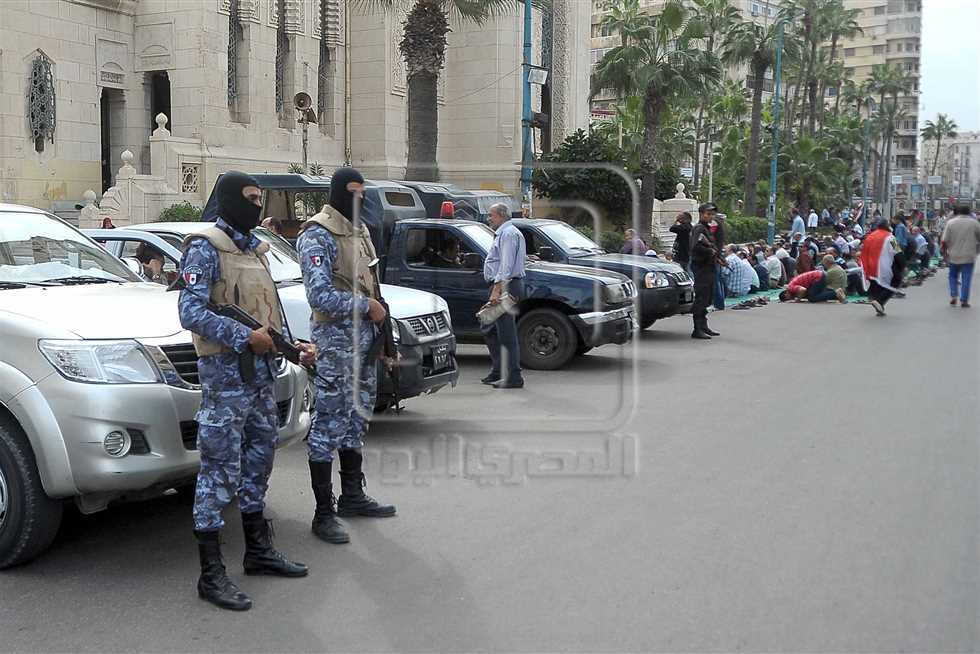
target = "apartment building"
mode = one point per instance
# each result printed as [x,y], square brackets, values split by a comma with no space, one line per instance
[958,165]
[892,35]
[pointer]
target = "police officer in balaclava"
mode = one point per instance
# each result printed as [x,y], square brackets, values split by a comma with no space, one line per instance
[237,420]
[335,253]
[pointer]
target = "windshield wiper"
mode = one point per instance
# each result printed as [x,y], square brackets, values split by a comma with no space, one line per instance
[9,285]
[83,279]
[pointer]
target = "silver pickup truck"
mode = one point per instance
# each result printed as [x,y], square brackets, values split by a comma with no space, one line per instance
[98,383]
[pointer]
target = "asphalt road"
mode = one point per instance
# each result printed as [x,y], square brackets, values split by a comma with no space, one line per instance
[806,482]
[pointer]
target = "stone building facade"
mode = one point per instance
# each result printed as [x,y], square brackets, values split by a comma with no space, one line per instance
[83,81]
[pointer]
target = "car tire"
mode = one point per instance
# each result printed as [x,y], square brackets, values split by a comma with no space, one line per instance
[29,519]
[647,323]
[547,339]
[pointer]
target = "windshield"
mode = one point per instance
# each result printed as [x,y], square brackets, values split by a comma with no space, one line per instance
[283,260]
[487,201]
[481,235]
[38,247]
[569,238]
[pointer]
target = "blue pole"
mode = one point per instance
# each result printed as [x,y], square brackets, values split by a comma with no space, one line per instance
[777,76]
[527,154]
[862,220]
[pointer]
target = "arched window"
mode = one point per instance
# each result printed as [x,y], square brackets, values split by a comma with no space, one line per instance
[41,101]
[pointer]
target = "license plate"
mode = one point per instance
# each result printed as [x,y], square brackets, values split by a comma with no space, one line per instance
[440,357]
[687,296]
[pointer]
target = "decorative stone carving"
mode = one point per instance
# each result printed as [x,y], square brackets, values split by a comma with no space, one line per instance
[399,73]
[41,107]
[295,15]
[190,178]
[111,59]
[88,217]
[680,192]
[247,9]
[335,21]
[161,121]
[154,45]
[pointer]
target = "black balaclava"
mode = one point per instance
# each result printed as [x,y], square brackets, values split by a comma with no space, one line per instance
[232,205]
[340,198]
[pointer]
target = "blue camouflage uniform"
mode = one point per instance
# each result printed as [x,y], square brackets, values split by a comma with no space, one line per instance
[339,421]
[238,423]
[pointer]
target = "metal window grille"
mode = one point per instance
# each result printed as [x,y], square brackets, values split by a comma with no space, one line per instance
[41,101]
[282,47]
[323,65]
[234,32]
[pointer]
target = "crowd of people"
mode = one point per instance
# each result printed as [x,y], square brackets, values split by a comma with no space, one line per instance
[806,265]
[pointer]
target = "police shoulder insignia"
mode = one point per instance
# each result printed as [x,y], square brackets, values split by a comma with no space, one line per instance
[317,257]
[192,274]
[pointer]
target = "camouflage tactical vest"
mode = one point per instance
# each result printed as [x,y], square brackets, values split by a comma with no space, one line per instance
[245,281]
[355,252]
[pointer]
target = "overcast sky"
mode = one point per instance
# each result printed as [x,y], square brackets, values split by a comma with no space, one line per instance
[950,63]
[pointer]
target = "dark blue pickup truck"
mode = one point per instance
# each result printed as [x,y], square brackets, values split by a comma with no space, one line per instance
[664,287]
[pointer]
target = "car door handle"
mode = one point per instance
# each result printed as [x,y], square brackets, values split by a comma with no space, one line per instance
[406,278]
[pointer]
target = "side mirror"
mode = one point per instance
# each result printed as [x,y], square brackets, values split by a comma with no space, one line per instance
[472,261]
[134,266]
[546,253]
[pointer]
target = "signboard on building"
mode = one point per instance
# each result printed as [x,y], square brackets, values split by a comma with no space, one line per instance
[916,191]
[896,179]
[687,172]
[935,180]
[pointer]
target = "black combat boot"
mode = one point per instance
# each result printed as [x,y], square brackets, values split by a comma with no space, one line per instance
[352,500]
[214,584]
[325,523]
[261,558]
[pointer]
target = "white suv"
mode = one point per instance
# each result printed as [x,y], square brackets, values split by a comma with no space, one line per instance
[98,383]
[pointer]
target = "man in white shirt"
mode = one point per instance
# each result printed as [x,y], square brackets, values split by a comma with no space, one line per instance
[798,227]
[775,267]
[813,220]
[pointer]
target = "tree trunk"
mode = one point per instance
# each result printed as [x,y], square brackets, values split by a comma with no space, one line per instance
[935,161]
[813,106]
[752,162]
[653,105]
[698,131]
[423,127]
[823,86]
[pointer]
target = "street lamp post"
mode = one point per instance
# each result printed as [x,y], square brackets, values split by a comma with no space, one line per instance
[777,78]
[864,172]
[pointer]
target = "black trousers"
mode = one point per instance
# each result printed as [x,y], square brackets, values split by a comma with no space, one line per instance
[704,289]
[879,292]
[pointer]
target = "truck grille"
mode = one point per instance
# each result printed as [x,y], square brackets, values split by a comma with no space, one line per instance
[428,325]
[680,276]
[184,360]
[188,428]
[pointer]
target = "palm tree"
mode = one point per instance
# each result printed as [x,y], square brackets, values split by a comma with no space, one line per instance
[423,47]
[809,14]
[756,44]
[716,17]
[944,127]
[888,81]
[659,62]
[808,169]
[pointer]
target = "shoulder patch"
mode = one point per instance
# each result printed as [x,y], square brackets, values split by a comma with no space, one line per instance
[317,256]
[192,274]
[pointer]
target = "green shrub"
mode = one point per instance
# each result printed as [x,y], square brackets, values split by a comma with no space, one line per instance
[742,229]
[182,212]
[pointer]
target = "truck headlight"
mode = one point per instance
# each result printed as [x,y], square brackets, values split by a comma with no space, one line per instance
[614,293]
[101,362]
[656,280]
[396,331]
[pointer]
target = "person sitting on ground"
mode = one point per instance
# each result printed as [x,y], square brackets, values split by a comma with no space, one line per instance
[811,286]
[841,244]
[775,268]
[737,274]
[836,278]
[855,273]
[804,260]
[921,257]
[761,274]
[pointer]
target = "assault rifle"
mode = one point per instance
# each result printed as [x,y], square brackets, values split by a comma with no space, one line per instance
[385,340]
[246,360]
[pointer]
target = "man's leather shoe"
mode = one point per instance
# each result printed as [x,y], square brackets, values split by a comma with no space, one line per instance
[710,332]
[697,333]
[509,384]
[490,379]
